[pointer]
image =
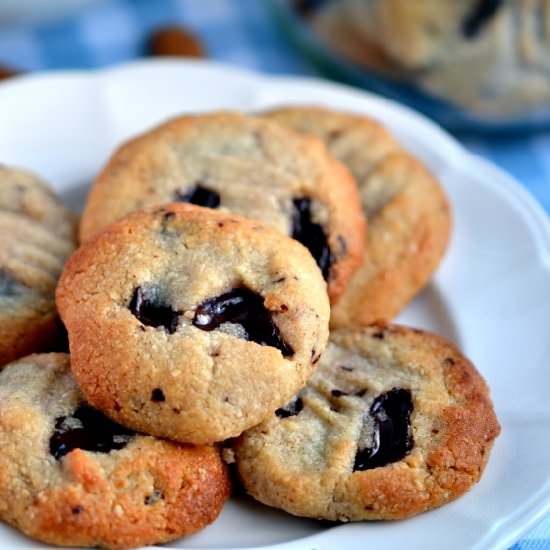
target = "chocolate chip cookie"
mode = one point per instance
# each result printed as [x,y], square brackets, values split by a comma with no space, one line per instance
[394,421]
[192,324]
[408,212]
[487,56]
[38,234]
[70,476]
[243,165]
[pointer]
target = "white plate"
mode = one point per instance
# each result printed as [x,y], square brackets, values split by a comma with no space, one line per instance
[491,295]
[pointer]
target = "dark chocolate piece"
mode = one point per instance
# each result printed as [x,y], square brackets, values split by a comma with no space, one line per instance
[147,306]
[311,235]
[292,409]
[392,438]
[479,17]
[246,308]
[199,195]
[157,396]
[89,430]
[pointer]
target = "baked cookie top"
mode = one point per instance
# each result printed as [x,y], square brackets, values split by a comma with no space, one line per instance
[70,476]
[242,165]
[408,212]
[192,324]
[394,421]
[38,234]
[24,194]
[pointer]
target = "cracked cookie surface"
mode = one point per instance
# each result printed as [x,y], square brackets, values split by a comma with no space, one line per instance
[243,165]
[38,235]
[407,211]
[192,324]
[393,422]
[72,477]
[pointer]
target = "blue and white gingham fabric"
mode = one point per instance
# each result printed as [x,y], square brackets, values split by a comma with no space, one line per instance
[243,33]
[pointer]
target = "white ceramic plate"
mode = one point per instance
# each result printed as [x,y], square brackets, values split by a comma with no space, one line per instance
[491,294]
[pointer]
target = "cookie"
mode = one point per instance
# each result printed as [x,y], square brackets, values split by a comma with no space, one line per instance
[72,477]
[408,212]
[487,56]
[394,422]
[38,234]
[242,165]
[192,324]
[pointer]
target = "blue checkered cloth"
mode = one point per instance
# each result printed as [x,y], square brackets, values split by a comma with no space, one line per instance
[243,33]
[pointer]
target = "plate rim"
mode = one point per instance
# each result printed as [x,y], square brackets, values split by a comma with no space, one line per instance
[511,184]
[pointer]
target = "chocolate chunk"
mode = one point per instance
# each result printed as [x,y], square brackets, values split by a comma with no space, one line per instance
[392,438]
[479,17]
[157,396]
[199,195]
[246,308]
[9,285]
[292,409]
[89,430]
[61,342]
[147,306]
[311,235]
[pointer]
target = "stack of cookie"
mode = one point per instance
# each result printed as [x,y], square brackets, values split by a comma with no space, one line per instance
[216,251]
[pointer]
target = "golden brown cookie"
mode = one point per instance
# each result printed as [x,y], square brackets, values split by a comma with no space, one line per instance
[192,324]
[38,234]
[72,477]
[394,422]
[243,165]
[408,212]
[487,57]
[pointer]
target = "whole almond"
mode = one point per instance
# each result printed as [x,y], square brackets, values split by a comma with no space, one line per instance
[175,41]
